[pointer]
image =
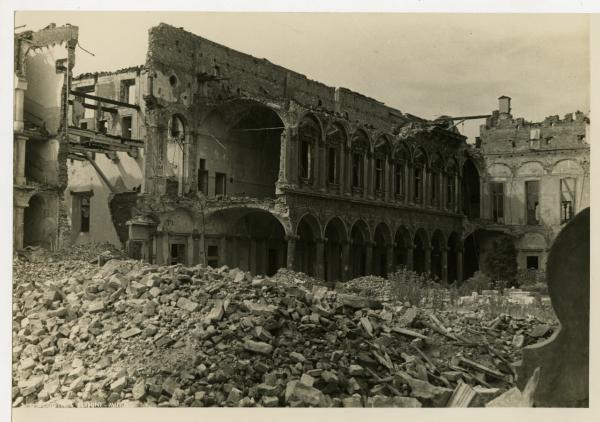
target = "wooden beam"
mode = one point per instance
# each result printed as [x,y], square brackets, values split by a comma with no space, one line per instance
[95,107]
[104,100]
[105,138]
[100,148]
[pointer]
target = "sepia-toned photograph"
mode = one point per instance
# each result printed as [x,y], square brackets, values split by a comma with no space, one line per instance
[337,210]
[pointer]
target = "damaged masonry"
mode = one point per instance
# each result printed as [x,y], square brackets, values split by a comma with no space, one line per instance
[208,157]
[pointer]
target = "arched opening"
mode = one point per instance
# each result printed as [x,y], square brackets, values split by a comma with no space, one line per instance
[400,165]
[451,177]
[437,169]
[252,155]
[470,187]
[419,168]
[453,245]
[359,236]
[380,258]
[402,242]
[34,220]
[358,152]
[306,245]
[420,246]
[238,151]
[381,158]
[482,252]
[255,242]
[470,256]
[309,134]
[335,234]
[437,245]
[335,143]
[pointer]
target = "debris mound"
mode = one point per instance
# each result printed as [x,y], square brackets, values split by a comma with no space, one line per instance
[137,334]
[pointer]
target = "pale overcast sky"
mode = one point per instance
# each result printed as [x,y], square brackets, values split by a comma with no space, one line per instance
[427,65]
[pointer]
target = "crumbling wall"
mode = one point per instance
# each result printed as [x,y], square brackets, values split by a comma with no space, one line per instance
[43,97]
[124,174]
[213,72]
[122,209]
[501,132]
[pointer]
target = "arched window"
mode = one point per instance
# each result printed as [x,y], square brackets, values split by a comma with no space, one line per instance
[418,177]
[308,134]
[451,172]
[335,139]
[400,161]
[176,128]
[436,181]
[381,157]
[359,149]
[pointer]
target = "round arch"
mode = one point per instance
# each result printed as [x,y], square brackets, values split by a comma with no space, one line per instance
[308,232]
[382,243]
[402,244]
[359,238]
[255,240]
[453,246]
[471,189]
[438,245]
[335,261]
[421,245]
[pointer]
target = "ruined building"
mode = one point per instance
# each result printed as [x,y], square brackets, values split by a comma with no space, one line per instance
[208,155]
[534,178]
[43,63]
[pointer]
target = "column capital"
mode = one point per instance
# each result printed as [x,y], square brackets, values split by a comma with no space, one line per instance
[291,237]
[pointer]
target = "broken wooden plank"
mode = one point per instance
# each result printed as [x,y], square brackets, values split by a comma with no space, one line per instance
[462,396]
[409,333]
[482,368]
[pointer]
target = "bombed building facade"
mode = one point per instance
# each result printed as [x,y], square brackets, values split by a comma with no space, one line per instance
[43,63]
[535,177]
[208,155]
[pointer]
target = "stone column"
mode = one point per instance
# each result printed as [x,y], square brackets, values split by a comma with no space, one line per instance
[348,175]
[20,151]
[445,264]
[342,169]
[457,195]
[323,168]
[387,186]
[253,264]
[19,106]
[165,252]
[291,251]
[320,250]
[389,258]
[459,265]
[409,257]
[428,259]
[290,137]
[370,182]
[316,167]
[345,260]
[284,158]
[18,226]
[410,194]
[369,263]
[189,250]
[223,251]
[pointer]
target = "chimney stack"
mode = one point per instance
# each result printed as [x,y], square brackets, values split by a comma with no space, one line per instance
[504,104]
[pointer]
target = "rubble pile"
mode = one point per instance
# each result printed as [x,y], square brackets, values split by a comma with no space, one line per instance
[370,285]
[143,335]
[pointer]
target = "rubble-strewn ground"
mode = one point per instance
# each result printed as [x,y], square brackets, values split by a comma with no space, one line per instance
[142,335]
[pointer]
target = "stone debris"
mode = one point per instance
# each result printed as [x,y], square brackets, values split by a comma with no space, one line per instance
[176,336]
